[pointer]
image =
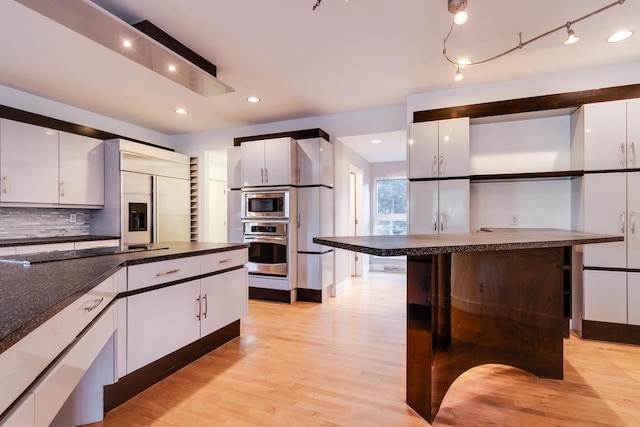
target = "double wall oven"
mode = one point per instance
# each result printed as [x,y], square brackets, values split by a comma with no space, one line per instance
[265,214]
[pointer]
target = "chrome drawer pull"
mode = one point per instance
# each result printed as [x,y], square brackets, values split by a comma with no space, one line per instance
[224,261]
[206,306]
[96,303]
[168,272]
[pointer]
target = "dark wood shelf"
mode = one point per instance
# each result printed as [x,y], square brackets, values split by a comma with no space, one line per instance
[527,176]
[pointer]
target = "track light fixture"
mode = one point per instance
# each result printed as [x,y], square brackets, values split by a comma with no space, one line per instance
[458,6]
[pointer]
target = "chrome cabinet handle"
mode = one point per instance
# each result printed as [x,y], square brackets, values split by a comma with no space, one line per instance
[441,165]
[224,261]
[298,175]
[199,315]
[96,303]
[622,160]
[434,167]
[298,219]
[441,222]
[4,185]
[262,175]
[61,188]
[632,156]
[165,273]
[435,222]
[622,217]
[266,175]
[206,306]
[633,223]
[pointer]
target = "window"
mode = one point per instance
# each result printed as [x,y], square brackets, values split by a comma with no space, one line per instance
[391,206]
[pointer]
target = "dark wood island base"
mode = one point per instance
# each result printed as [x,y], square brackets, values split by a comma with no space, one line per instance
[478,298]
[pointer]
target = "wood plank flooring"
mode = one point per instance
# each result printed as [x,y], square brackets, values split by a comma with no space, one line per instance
[342,363]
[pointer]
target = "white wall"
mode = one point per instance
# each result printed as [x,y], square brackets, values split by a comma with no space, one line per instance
[57,110]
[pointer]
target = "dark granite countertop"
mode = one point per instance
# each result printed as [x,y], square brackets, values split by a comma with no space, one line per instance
[52,240]
[495,240]
[30,295]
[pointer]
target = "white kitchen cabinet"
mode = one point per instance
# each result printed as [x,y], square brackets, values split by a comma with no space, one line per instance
[268,162]
[9,250]
[28,163]
[605,296]
[81,170]
[633,298]
[160,322]
[314,162]
[633,219]
[23,414]
[224,298]
[315,217]
[315,271]
[439,206]
[235,230]
[438,149]
[610,135]
[234,168]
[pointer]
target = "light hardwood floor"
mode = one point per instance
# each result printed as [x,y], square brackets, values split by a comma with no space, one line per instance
[342,364]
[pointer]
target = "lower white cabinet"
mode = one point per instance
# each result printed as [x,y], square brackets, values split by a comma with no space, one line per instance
[437,207]
[23,414]
[633,295]
[315,271]
[605,296]
[162,321]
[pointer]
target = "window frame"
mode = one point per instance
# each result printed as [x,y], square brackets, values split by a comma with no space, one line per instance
[393,217]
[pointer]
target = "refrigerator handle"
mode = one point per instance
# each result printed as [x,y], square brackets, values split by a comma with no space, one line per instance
[155,226]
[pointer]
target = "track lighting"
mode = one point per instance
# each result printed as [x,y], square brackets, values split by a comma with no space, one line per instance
[459,6]
[571,36]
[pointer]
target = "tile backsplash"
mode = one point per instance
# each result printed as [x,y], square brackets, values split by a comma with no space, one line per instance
[24,223]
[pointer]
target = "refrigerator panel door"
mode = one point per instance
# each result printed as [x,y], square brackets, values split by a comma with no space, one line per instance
[173,213]
[136,193]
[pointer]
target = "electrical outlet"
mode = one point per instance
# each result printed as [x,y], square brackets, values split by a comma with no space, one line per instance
[514,219]
[72,218]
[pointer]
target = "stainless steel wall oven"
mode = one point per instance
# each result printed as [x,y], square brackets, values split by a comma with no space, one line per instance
[268,250]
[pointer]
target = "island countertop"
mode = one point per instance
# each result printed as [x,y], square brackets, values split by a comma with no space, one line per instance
[488,240]
[33,294]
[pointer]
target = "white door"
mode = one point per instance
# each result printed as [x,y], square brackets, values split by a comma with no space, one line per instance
[423,207]
[422,151]
[605,202]
[224,299]
[173,219]
[309,219]
[277,161]
[252,163]
[217,217]
[633,220]
[633,295]
[605,296]
[160,322]
[81,170]
[308,162]
[633,132]
[605,135]
[453,204]
[28,163]
[453,147]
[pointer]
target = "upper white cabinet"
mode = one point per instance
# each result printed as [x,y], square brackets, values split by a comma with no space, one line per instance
[315,162]
[81,170]
[437,207]
[268,162]
[44,166]
[439,149]
[28,163]
[611,135]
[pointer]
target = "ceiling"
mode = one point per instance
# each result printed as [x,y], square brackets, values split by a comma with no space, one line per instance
[344,56]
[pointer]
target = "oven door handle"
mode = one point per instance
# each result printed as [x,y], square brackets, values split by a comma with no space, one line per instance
[279,240]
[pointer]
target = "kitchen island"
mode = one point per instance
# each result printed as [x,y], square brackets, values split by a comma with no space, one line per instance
[478,298]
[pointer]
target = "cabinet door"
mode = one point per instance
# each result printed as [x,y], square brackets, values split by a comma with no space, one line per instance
[173,216]
[326,158]
[252,163]
[633,220]
[23,415]
[81,170]
[277,161]
[422,152]
[160,322]
[633,132]
[605,202]
[453,206]
[309,161]
[309,218]
[423,207]
[605,296]
[453,147]
[28,163]
[224,299]
[633,298]
[234,168]
[235,232]
[605,135]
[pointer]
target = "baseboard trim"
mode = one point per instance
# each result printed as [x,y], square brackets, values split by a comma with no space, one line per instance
[138,381]
[274,295]
[614,332]
[309,295]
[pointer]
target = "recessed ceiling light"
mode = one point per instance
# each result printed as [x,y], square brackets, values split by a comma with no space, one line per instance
[180,111]
[376,141]
[619,36]
[253,99]
[172,68]
[126,43]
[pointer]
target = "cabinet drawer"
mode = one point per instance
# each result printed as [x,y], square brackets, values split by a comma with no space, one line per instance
[56,386]
[32,249]
[156,273]
[96,244]
[4,251]
[25,360]
[223,260]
